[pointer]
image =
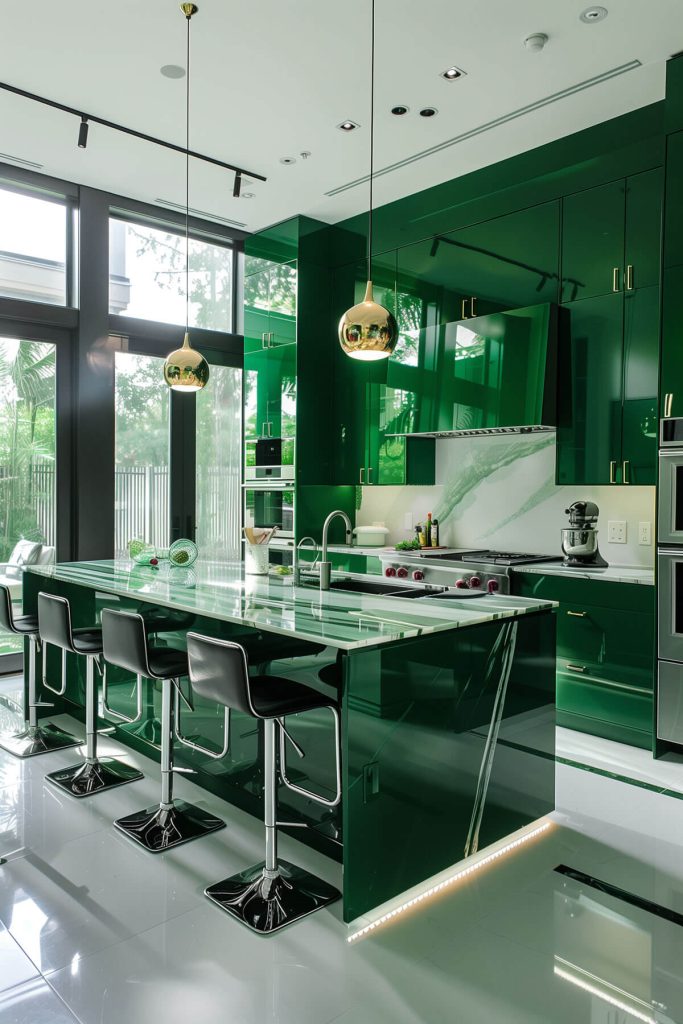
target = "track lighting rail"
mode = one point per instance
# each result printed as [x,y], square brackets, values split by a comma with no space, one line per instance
[84,117]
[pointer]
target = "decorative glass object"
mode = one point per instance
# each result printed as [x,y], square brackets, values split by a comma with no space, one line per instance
[183,553]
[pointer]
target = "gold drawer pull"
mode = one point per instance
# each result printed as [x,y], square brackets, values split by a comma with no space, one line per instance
[615,280]
[612,471]
[625,471]
[578,615]
[668,401]
[629,278]
[576,668]
[463,314]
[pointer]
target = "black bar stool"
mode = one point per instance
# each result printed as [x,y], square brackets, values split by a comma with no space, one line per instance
[33,738]
[273,894]
[94,774]
[170,822]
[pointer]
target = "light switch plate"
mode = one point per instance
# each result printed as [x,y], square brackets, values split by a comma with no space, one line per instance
[645,533]
[616,531]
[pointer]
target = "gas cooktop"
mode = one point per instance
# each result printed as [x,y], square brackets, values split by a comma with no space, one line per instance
[505,557]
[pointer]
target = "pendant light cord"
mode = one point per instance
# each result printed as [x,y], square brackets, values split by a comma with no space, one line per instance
[372,134]
[187,180]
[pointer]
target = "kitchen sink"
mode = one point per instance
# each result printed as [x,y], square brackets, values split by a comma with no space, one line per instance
[381,589]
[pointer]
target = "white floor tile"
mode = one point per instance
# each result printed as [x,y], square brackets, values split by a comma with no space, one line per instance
[33,1002]
[15,966]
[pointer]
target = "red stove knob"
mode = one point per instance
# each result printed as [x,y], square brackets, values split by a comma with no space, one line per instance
[492,586]
[390,571]
[475,582]
[462,584]
[402,572]
[418,574]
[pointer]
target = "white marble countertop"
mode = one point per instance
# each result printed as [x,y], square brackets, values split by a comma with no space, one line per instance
[344,620]
[613,573]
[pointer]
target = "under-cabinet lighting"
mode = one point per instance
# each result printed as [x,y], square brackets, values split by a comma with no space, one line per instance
[594,989]
[448,881]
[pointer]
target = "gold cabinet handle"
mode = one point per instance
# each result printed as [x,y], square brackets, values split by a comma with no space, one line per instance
[463,314]
[576,668]
[668,402]
[473,305]
[578,615]
[615,280]
[629,277]
[612,472]
[263,339]
[362,477]
[625,466]
[369,474]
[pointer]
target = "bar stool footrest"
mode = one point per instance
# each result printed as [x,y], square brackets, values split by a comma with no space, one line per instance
[160,828]
[268,904]
[86,779]
[41,740]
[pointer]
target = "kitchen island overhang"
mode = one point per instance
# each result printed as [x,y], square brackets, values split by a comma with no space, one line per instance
[448,714]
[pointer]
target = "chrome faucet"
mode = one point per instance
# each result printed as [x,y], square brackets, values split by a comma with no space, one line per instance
[297,565]
[325,566]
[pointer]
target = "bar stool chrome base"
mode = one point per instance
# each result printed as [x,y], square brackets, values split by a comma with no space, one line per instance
[266,904]
[87,778]
[38,739]
[160,828]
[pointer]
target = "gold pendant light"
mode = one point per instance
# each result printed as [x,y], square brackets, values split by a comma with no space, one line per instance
[367,330]
[186,369]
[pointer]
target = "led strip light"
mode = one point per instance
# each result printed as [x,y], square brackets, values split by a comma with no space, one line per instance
[445,883]
[595,990]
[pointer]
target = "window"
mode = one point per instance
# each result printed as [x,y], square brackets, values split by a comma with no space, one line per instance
[33,243]
[147,277]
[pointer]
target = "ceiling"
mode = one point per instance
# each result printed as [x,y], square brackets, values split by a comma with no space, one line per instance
[273,80]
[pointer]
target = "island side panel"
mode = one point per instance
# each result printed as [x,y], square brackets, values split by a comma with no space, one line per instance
[419,726]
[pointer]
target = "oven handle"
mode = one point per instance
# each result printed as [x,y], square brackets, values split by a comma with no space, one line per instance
[671,551]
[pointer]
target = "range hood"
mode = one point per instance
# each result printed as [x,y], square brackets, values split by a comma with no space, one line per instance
[491,374]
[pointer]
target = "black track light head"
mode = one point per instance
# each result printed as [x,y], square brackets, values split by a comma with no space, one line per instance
[83,133]
[237,187]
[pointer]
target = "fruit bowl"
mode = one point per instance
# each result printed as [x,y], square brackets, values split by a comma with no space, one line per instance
[183,553]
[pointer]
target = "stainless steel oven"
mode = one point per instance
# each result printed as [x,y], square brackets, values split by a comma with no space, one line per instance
[670,604]
[268,505]
[670,515]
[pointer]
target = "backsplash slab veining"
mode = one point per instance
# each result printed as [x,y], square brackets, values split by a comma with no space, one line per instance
[500,492]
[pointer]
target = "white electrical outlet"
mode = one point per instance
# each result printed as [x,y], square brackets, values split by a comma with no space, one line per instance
[408,521]
[616,531]
[645,533]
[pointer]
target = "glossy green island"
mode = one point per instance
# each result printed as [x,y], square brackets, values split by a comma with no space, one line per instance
[448,711]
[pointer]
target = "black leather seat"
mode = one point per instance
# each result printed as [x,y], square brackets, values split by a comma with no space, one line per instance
[268,896]
[94,774]
[170,822]
[33,738]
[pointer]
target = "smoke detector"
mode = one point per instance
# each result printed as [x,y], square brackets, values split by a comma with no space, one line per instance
[536,42]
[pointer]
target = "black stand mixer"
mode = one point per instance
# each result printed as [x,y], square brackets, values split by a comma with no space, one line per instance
[580,538]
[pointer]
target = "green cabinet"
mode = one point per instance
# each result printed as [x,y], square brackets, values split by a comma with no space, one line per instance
[671,387]
[269,392]
[673,225]
[270,291]
[609,357]
[485,267]
[605,654]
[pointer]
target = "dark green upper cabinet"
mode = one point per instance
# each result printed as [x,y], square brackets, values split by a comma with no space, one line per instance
[593,242]
[611,237]
[639,413]
[591,392]
[485,267]
[673,227]
[643,235]
[672,348]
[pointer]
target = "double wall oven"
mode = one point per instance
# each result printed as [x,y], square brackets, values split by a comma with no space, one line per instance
[670,583]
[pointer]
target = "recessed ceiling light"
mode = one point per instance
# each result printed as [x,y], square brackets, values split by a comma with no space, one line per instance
[452,74]
[348,126]
[172,71]
[287,160]
[400,110]
[592,14]
[428,112]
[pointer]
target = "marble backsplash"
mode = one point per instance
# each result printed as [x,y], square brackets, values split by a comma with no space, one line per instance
[500,492]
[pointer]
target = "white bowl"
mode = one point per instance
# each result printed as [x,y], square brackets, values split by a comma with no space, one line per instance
[371,536]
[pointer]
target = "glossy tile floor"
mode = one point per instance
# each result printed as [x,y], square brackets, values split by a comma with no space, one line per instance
[97,930]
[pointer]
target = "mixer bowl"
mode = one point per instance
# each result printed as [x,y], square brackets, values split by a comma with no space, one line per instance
[580,543]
